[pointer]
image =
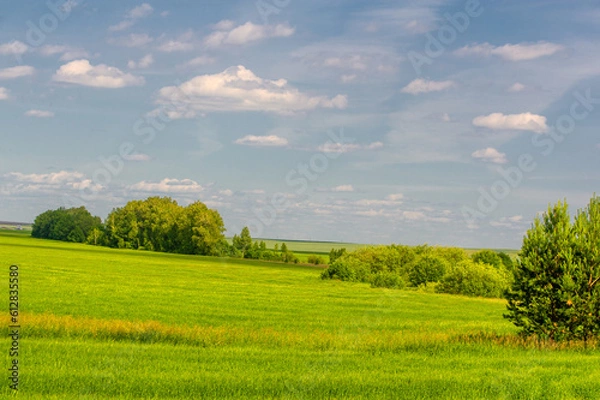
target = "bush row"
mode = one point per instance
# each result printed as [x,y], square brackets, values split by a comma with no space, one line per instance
[486,273]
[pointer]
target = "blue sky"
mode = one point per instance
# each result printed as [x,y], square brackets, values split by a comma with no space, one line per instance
[431,121]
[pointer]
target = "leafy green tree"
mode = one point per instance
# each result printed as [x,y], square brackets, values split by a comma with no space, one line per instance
[71,225]
[243,242]
[489,257]
[506,261]
[334,254]
[427,268]
[556,291]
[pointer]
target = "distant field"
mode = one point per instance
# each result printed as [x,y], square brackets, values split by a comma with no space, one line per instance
[102,323]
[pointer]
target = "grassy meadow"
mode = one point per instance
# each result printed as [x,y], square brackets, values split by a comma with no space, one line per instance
[102,323]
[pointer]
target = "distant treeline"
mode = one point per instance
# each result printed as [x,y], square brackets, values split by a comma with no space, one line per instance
[486,273]
[156,224]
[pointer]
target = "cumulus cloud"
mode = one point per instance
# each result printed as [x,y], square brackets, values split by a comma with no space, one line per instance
[239,89]
[132,40]
[227,34]
[3,93]
[81,72]
[144,62]
[55,182]
[490,155]
[424,86]
[142,11]
[523,122]
[331,147]
[15,48]
[262,141]
[39,114]
[512,52]
[168,186]
[16,72]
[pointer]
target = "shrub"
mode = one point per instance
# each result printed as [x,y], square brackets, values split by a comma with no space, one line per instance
[474,279]
[387,280]
[335,254]
[427,268]
[488,257]
[317,260]
[347,269]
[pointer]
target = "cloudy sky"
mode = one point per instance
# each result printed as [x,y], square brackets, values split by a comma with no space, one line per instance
[429,121]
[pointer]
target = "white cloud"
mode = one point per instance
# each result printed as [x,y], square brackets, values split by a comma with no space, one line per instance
[513,222]
[13,48]
[81,72]
[39,114]
[512,52]
[16,72]
[142,11]
[68,53]
[524,122]
[168,186]
[121,26]
[175,45]
[262,141]
[343,188]
[355,62]
[490,155]
[3,93]
[238,89]
[227,34]
[348,78]
[144,62]
[137,157]
[331,147]
[424,86]
[132,40]
[517,87]
[55,182]
[395,197]
[199,61]
[51,178]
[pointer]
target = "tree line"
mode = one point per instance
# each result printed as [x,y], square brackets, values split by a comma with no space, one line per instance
[155,224]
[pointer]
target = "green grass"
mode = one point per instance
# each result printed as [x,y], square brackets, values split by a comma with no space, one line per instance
[102,323]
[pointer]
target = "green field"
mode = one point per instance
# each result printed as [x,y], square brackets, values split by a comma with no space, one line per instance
[103,323]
